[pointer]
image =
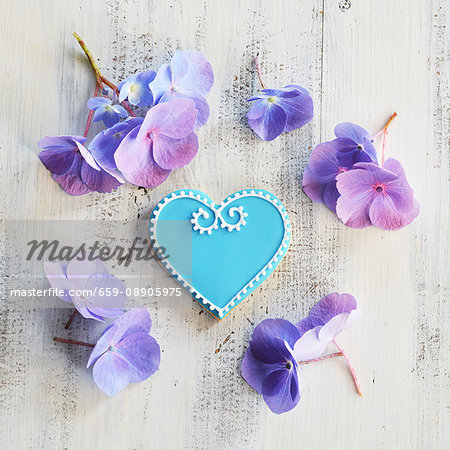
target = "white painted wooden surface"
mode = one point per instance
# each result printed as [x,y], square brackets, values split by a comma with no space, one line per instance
[361,65]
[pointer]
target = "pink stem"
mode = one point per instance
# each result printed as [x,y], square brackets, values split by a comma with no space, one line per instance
[322,358]
[74,314]
[91,112]
[384,132]
[71,341]
[350,368]
[258,71]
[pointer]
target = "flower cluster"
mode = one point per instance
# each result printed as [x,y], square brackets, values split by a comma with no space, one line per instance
[141,150]
[278,348]
[125,352]
[344,174]
[277,111]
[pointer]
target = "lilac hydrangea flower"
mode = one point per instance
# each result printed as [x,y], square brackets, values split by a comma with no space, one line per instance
[373,195]
[190,76]
[163,142]
[355,142]
[106,111]
[105,143]
[125,353]
[319,177]
[73,167]
[136,89]
[329,317]
[280,110]
[86,285]
[269,365]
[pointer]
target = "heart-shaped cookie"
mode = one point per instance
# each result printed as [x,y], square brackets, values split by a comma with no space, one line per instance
[220,253]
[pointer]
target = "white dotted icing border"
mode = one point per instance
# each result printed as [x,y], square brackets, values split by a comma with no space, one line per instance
[210,204]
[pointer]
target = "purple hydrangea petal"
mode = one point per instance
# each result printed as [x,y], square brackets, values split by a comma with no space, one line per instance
[309,346]
[257,110]
[60,142]
[299,110]
[308,323]
[352,131]
[78,272]
[136,320]
[56,275]
[323,161]
[331,195]
[175,118]
[192,72]
[105,143]
[174,153]
[134,158]
[255,371]
[71,181]
[145,98]
[399,190]
[59,152]
[356,189]
[332,305]
[98,180]
[201,105]
[102,344]
[281,391]
[98,102]
[313,185]
[56,161]
[338,324]
[145,78]
[111,373]
[271,124]
[109,296]
[383,213]
[142,353]
[161,83]
[269,337]
[120,110]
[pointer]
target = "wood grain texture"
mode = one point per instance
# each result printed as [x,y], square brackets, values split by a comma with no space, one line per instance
[359,65]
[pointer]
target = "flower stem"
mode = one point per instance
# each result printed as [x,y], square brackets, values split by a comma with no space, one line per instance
[91,112]
[74,314]
[258,71]
[98,75]
[91,59]
[322,358]
[350,368]
[384,132]
[71,341]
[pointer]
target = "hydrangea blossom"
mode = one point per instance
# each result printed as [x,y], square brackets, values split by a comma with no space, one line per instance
[136,89]
[355,142]
[73,167]
[345,175]
[319,178]
[125,353]
[163,142]
[105,143]
[269,365]
[373,195]
[329,317]
[106,111]
[280,110]
[190,76]
[77,278]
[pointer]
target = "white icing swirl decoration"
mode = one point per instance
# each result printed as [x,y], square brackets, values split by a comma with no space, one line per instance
[218,217]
